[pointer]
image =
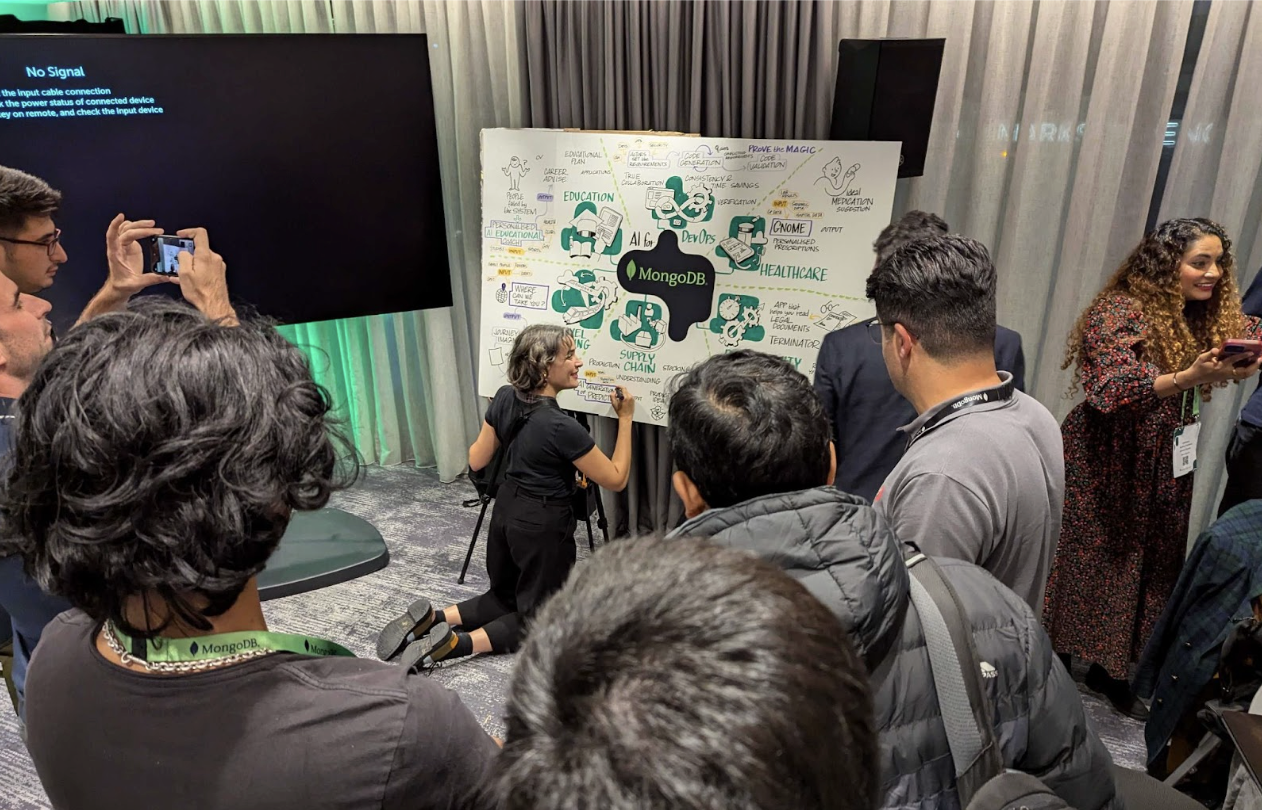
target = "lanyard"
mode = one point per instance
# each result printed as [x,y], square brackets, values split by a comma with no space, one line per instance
[1196,405]
[222,645]
[999,393]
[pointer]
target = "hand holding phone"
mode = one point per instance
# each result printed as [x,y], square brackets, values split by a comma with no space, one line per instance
[166,252]
[1240,352]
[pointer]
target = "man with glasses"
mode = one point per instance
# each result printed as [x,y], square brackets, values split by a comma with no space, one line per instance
[850,378]
[983,475]
[30,246]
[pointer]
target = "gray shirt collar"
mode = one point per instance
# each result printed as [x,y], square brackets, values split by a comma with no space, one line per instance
[920,421]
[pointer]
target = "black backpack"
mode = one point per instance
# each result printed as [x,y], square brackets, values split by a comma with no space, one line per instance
[980,778]
[487,481]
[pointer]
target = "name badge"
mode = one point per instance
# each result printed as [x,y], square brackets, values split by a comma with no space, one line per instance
[1185,449]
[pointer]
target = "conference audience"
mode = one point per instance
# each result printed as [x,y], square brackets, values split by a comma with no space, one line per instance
[862,404]
[530,544]
[755,466]
[1146,353]
[983,475]
[158,456]
[678,675]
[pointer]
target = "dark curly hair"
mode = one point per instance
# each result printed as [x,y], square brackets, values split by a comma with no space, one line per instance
[1178,330]
[159,453]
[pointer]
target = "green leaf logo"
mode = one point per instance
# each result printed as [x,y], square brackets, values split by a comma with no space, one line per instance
[631,269]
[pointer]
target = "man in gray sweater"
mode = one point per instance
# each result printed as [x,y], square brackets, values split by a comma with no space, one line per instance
[755,466]
[983,475]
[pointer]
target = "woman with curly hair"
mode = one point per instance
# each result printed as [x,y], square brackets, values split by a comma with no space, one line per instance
[1146,352]
[530,544]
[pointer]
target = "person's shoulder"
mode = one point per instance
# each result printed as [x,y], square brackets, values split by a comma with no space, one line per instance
[357,676]
[72,625]
[988,602]
[1005,336]
[846,337]
[1036,411]
[1116,307]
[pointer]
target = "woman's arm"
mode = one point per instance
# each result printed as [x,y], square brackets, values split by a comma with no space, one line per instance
[612,474]
[481,451]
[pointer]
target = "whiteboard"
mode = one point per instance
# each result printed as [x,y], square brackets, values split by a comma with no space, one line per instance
[661,251]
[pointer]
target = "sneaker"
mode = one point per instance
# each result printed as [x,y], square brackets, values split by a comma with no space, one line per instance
[431,648]
[409,627]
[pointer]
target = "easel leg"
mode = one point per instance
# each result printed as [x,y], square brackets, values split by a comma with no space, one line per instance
[486,501]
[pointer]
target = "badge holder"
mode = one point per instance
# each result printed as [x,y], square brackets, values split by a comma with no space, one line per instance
[1185,438]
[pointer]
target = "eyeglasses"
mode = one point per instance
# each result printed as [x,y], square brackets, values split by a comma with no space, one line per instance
[874,330]
[50,245]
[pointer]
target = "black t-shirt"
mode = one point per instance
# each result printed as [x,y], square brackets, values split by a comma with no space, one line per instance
[541,458]
[284,730]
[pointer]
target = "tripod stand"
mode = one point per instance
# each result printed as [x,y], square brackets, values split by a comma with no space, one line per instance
[583,494]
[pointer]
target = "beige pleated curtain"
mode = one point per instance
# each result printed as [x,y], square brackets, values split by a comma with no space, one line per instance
[1046,140]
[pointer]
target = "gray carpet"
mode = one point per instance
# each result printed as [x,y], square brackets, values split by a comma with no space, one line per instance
[427,531]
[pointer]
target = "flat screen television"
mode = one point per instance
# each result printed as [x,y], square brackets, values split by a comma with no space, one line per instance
[312,160]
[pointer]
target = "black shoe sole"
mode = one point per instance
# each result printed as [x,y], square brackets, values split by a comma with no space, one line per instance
[420,617]
[429,649]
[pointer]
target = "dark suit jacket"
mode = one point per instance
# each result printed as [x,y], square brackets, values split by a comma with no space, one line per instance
[865,410]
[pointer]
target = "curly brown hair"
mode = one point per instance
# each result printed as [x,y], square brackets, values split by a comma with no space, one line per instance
[1178,330]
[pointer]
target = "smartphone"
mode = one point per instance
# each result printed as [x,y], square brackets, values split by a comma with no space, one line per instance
[1236,350]
[166,252]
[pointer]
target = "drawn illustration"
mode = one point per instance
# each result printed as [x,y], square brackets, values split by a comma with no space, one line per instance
[835,183]
[832,317]
[590,234]
[738,319]
[516,170]
[658,250]
[584,299]
[641,325]
[744,245]
[676,208]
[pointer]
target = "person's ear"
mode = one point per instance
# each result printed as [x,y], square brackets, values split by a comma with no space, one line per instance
[903,340]
[687,491]
[832,464]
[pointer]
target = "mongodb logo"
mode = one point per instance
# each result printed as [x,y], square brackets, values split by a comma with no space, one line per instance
[694,278]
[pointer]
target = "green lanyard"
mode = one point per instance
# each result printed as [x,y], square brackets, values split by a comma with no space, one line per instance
[1196,405]
[222,645]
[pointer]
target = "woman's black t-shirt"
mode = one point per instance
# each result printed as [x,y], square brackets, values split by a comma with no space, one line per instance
[541,459]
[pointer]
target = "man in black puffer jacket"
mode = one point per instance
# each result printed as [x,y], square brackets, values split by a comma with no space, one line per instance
[755,465]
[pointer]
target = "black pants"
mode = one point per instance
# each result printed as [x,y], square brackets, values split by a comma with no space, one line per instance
[1244,467]
[529,553]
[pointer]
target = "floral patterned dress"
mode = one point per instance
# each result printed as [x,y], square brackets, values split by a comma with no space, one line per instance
[1124,531]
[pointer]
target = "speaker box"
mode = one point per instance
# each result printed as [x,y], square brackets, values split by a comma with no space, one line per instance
[885,92]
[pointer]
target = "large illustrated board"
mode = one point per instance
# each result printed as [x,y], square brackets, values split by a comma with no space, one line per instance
[661,251]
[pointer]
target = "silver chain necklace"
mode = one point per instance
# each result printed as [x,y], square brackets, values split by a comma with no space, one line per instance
[181,667]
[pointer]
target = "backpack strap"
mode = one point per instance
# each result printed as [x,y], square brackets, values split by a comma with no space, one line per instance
[514,429]
[956,669]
